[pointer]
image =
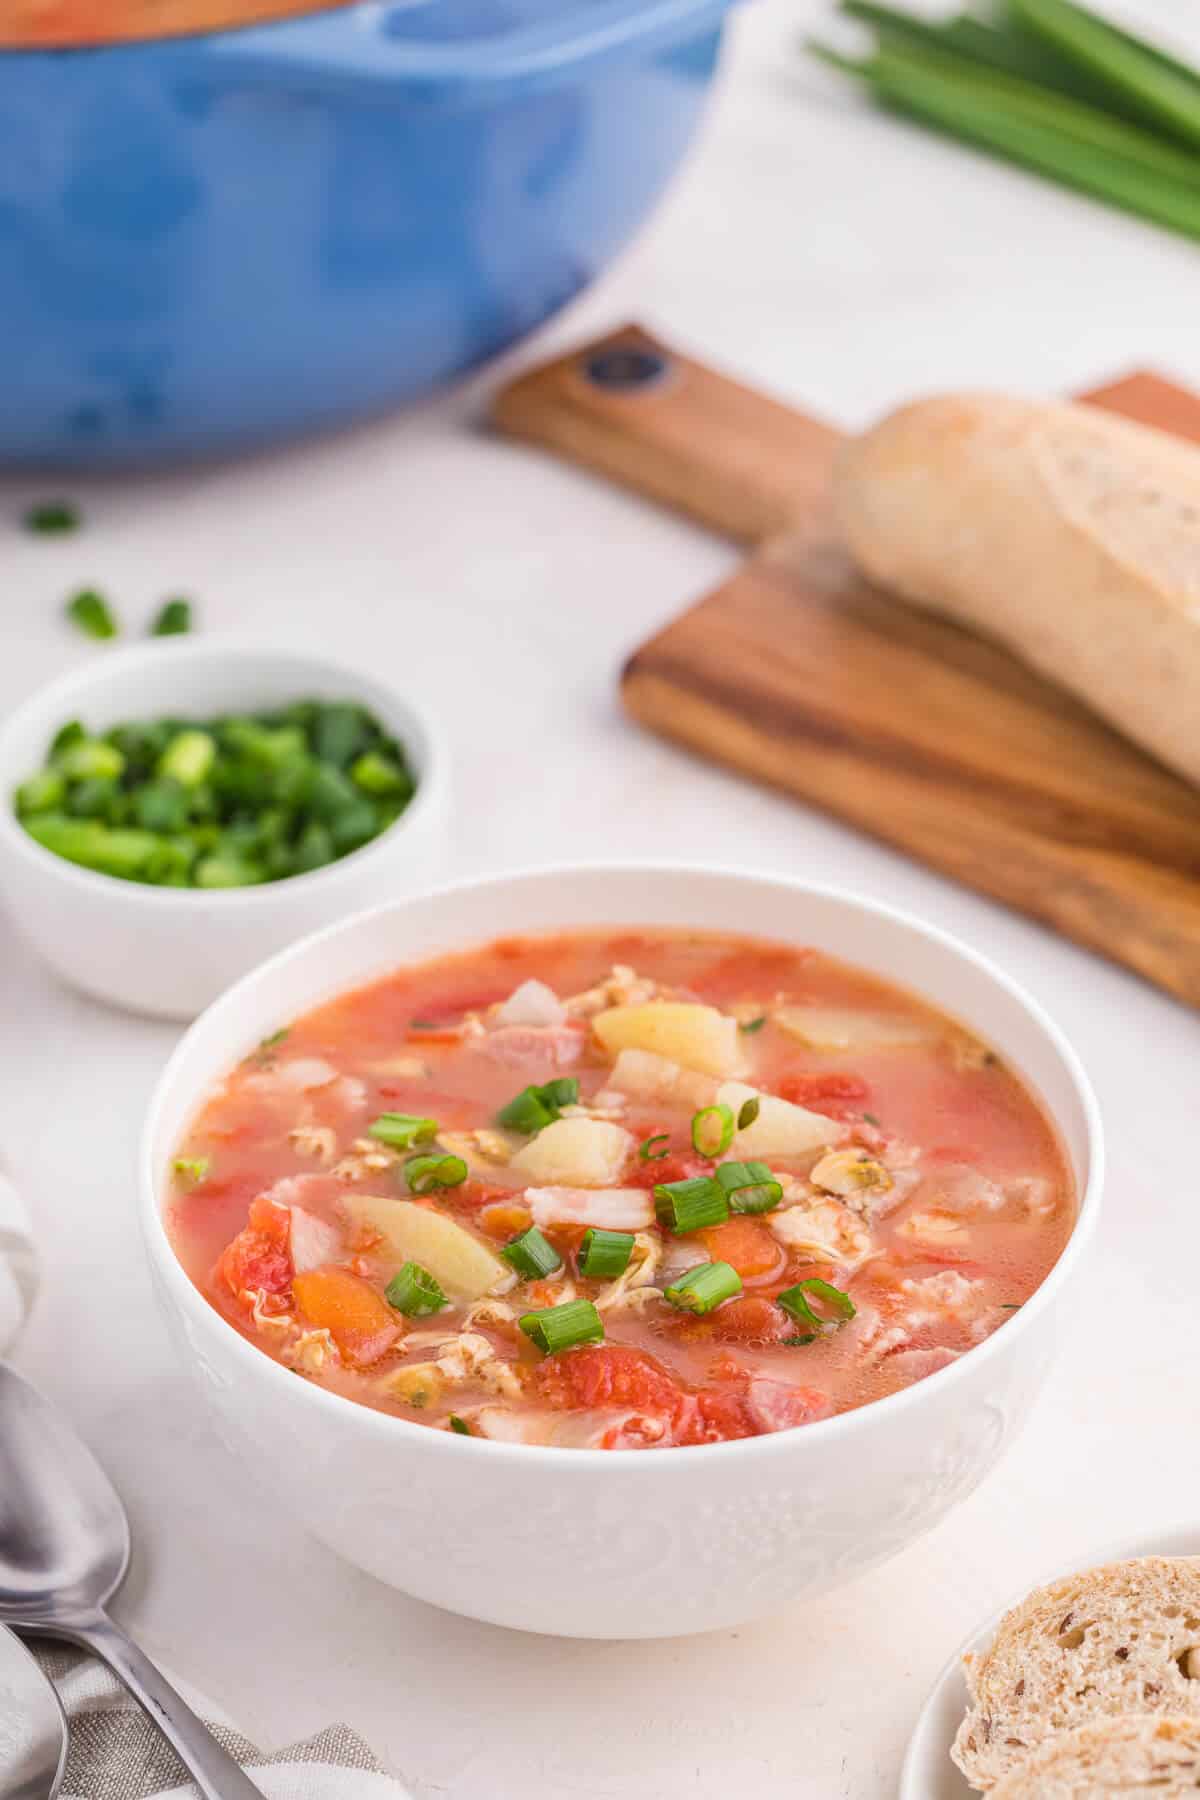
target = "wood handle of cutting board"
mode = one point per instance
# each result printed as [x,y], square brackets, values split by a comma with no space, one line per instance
[678,432]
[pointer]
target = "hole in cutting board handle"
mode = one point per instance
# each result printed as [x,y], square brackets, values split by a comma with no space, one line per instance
[626,368]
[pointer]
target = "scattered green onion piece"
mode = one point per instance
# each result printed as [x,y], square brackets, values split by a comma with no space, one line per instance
[377,774]
[188,758]
[536,1107]
[425,1174]
[795,1303]
[400,1131]
[532,1255]
[66,735]
[85,757]
[1010,1306]
[556,1328]
[702,1289]
[227,870]
[683,1206]
[870,1119]
[423,1025]
[43,792]
[460,1425]
[276,1037]
[712,1131]
[752,1025]
[603,1255]
[90,612]
[173,619]
[52,518]
[127,855]
[748,1112]
[526,1113]
[646,1150]
[414,1292]
[750,1187]
[191,1170]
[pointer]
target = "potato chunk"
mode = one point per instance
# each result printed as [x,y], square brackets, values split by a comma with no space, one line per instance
[842,1028]
[462,1266]
[699,1037]
[575,1153]
[781,1129]
[645,1076]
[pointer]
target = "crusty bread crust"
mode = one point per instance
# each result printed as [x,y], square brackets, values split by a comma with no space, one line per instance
[1137,1753]
[1071,536]
[1111,1640]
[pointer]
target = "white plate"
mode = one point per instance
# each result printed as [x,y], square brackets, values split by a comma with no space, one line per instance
[928,1773]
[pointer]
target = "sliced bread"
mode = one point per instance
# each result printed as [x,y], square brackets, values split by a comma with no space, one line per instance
[1071,536]
[1124,1638]
[1135,1753]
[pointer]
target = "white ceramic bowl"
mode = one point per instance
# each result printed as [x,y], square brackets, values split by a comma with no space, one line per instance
[169,951]
[641,1543]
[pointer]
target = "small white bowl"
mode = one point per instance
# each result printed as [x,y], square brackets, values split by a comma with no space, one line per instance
[928,1772]
[610,1544]
[169,951]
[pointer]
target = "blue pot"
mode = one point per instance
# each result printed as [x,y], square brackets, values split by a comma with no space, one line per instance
[209,243]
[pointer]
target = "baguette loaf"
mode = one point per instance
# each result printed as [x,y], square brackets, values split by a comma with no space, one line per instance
[1137,1753]
[1070,536]
[1119,1639]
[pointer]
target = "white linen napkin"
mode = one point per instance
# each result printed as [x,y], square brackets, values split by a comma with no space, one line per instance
[18,1265]
[117,1754]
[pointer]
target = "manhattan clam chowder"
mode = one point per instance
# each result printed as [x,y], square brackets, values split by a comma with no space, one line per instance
[620,1190]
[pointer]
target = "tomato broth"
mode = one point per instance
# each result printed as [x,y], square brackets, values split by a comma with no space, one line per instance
[620,1190]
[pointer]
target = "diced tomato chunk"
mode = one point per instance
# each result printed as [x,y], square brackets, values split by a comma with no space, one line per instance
[608,1375]
[717,1415]
[751,1320]
[259,1258]
[359,1320]
[746,1244]
[678,1166]
[834,1093]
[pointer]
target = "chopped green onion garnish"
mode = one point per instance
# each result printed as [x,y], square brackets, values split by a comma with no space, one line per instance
[795,1303]
[91,613]
[426,1173]
[536,1107]
[749,1187]
[400,1131]
[754,1024]
[272,1039]
[43,792]
[188,758]
[377,774]
[712,1131]
[748,1113]
[173,619]
[684,1206]
[703,1288]
[85,759]
[646,1150]
[459,1425]
[603,1255]
[52,518]
[556,1328]
[423,1025]
[870,1118]
[191,1169]
[532,1255]
[414,1292]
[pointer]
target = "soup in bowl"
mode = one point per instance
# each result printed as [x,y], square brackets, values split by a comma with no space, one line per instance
[688,1233]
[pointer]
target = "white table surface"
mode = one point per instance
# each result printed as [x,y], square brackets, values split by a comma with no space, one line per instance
[844,261]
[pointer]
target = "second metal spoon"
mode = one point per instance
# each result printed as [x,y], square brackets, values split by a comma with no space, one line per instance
[64,1549]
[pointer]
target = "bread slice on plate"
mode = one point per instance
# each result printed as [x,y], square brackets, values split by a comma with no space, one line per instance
[1124,1638]
[1135,1753]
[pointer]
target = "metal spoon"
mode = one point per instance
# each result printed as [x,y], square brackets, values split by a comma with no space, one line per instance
[64,1550]
[33,1727]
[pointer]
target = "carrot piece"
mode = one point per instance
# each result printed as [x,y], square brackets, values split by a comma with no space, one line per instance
[360,1321]
[745,1243]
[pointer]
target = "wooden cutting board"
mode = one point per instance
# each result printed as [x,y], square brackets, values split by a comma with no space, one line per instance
[798,673]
